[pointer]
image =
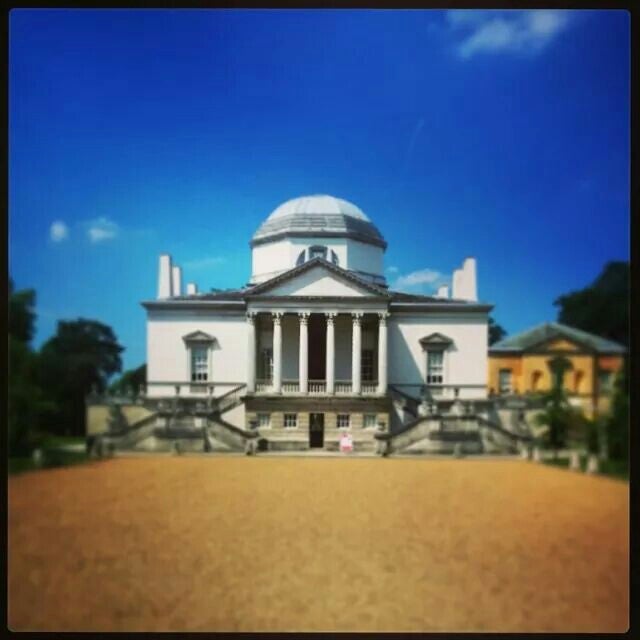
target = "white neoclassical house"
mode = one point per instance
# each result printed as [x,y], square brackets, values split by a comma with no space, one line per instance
[316,342]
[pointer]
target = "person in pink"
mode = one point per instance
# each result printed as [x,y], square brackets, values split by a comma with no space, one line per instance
[346,442]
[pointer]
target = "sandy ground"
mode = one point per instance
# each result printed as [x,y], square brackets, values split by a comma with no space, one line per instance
[295,544]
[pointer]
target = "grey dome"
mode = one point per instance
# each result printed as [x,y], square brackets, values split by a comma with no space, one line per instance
[318,216]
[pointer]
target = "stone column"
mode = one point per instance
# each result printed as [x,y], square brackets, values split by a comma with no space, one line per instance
[251,352]
[382,353]
[356,349]
[331,350]
[303,362]
[277,352]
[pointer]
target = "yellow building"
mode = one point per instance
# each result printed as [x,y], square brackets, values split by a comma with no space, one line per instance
[520,364]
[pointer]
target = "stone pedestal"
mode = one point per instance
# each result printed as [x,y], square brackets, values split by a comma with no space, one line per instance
[574,461]
[536,454]
[524,453]
[593,466]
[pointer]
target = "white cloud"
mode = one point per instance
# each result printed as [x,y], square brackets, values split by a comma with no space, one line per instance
[422,281]
[505,31]
[392,269]
[58,231]
[102,229]
[203,263]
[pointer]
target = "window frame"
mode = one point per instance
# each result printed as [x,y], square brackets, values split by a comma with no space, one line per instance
[432,372]
[503,390]
[370,377]
[260,416]
[348,420]
[374,422]
[295,421]
[318,248]
[199,367]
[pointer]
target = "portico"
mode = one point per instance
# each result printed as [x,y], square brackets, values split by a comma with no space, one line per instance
[332,373]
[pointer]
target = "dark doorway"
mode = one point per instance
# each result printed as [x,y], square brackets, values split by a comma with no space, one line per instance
[317,347]
[316,430]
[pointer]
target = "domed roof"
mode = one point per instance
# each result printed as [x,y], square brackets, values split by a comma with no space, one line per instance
[318,216]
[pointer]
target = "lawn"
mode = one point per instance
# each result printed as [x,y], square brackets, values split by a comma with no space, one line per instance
[54,454]
[298,544]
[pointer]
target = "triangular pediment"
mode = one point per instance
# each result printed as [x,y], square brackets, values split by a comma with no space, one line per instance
[435,340]
[198,336]
[559,344]
[318,278]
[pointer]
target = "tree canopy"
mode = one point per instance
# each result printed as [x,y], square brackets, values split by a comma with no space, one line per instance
[22,315]
[496,332]
[82,355]
[131,379]
[601,308]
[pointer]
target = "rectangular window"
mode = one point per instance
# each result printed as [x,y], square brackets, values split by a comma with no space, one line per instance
[290,420]
[264,420]
[504,381]
[605,381]
[369,421]
[267,364]
[435,367]
[199,364]
[343,421]
[367,365]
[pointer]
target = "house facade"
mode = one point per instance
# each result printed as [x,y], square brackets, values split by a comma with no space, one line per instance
[316,342]
[520,364]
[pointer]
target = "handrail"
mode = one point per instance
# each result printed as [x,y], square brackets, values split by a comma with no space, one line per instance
[404,394]
[228,393]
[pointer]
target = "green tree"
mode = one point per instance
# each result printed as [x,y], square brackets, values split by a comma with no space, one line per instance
[496,332]
[616,424]
[558,415]
[601,308]
[130,380]
[22,315]
[26,400]
[82,355]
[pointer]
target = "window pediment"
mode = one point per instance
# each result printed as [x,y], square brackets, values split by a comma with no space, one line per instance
[198,336]
[436,341]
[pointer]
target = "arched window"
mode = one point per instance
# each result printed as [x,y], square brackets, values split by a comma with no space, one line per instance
[535,380]
[300,259]
[317,252]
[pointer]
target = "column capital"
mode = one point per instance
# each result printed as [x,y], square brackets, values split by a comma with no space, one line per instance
[303,316]
[356,316]
[277,317]
[251,316]
[330,316]
[383,317]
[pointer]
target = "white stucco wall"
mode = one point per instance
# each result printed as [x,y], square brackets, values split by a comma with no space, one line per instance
[364,257]
[270,259]
[167,358]
[317,282]
[465,363]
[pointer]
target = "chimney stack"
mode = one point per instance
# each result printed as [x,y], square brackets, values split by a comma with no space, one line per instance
[443,291]
[464,282]
[164,276]
[176,282]
[456,285]
[470,286]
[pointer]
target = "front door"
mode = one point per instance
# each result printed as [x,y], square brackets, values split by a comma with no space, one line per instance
[316,430]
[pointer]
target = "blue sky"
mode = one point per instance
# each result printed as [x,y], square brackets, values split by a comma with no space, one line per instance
[498,134]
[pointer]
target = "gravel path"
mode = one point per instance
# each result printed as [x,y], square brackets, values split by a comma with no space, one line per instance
[298,544]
